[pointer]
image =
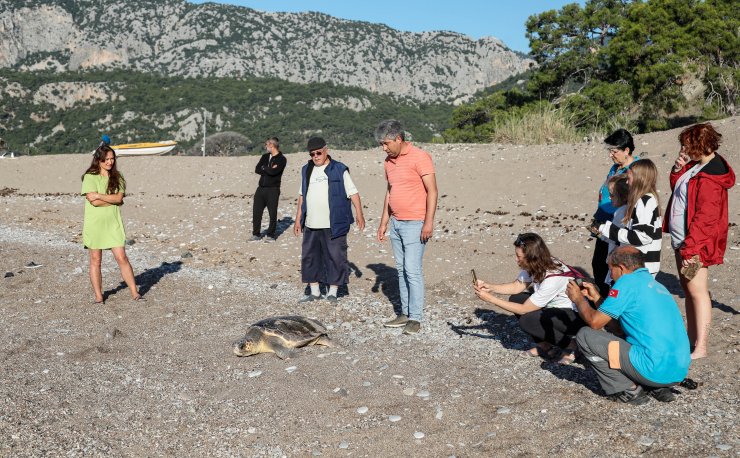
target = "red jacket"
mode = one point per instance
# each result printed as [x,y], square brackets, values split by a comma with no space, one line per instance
[706,210]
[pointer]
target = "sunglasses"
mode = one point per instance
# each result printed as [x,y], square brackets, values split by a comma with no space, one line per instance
[316,153]
[519,242]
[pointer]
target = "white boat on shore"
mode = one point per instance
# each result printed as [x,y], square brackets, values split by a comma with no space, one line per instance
[144,149]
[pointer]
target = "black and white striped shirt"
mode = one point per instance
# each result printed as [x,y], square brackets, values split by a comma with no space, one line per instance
[644,231]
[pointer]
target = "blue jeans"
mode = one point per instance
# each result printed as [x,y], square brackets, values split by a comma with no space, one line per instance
[409,250]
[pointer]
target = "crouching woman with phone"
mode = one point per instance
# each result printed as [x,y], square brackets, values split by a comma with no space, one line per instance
[547,315]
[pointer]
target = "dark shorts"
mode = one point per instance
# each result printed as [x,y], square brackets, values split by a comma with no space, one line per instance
[324,260]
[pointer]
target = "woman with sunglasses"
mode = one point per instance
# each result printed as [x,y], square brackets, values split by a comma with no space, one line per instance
[547,315]
[103,187]
[619,145]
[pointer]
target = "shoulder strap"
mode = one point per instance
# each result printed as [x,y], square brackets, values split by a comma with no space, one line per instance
[571,273]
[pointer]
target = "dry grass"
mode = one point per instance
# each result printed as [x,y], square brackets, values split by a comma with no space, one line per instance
[544,125]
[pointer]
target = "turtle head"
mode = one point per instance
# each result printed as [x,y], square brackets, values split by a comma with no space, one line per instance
[245,347]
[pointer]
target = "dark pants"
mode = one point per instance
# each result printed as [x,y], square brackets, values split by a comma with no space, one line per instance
[553,325]
[324,259]
[599,267]
[265,197]
[595,348]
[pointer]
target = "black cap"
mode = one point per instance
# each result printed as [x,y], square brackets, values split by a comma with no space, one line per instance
[315,143]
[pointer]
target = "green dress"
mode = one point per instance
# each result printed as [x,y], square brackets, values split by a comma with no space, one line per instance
[102,228]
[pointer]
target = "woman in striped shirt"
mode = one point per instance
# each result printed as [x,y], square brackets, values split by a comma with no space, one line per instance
[642,220]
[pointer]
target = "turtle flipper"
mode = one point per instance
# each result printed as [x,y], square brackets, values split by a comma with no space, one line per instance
[280,350]
[325,341]
[285,353]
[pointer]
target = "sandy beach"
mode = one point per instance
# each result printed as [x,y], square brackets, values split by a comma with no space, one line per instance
[159,379]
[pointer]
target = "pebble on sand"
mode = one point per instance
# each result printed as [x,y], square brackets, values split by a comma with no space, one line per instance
[419,435]
[253,374]
[362,410]
[646,441]
[503,410]
[394,418]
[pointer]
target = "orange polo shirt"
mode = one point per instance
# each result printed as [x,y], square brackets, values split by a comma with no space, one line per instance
[408,196]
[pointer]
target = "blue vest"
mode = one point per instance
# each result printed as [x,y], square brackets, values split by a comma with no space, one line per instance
[340,207]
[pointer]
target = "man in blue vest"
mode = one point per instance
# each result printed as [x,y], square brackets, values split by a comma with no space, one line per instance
[324,215]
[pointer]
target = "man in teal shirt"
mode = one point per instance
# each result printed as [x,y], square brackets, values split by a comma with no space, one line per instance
[655,353]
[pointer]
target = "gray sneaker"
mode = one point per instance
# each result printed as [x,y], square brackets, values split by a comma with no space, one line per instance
[310,298]
[412,327]
[332,298]
[255,238]
[397,322]
[636,396]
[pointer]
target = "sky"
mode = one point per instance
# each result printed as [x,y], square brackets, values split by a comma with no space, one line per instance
[503,19]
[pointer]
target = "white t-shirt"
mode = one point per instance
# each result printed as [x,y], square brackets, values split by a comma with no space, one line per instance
[317,198]
[677,224]
[551,291]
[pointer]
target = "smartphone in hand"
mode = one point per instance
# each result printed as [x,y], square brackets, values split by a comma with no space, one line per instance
[475,278]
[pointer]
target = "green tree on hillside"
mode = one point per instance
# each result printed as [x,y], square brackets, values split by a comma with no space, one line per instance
[615,62]
[569,45]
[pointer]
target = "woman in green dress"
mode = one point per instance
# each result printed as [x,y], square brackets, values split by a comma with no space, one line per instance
[103,187]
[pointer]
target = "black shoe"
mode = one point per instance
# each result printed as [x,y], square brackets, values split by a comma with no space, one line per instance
[690,384]
[636,396]
[664,394]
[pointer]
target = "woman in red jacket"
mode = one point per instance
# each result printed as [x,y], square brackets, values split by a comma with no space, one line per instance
[697,220]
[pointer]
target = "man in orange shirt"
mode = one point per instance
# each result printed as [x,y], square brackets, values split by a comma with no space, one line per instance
[409,206]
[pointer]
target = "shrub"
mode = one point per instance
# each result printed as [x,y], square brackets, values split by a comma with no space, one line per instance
[537,125]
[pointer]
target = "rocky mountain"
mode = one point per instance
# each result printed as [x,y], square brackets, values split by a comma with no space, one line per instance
[177,38]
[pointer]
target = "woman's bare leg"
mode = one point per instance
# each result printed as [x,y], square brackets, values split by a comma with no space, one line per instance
[96,276]
[127,272]
[701,304]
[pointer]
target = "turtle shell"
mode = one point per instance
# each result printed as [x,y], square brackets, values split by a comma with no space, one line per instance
[295,331]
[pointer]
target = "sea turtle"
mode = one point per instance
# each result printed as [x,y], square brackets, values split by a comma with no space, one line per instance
[281,335]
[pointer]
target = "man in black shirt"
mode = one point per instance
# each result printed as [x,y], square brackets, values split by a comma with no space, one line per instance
[270,168]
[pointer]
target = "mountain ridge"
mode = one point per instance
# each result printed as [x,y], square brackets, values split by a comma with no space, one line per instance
[173,37]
